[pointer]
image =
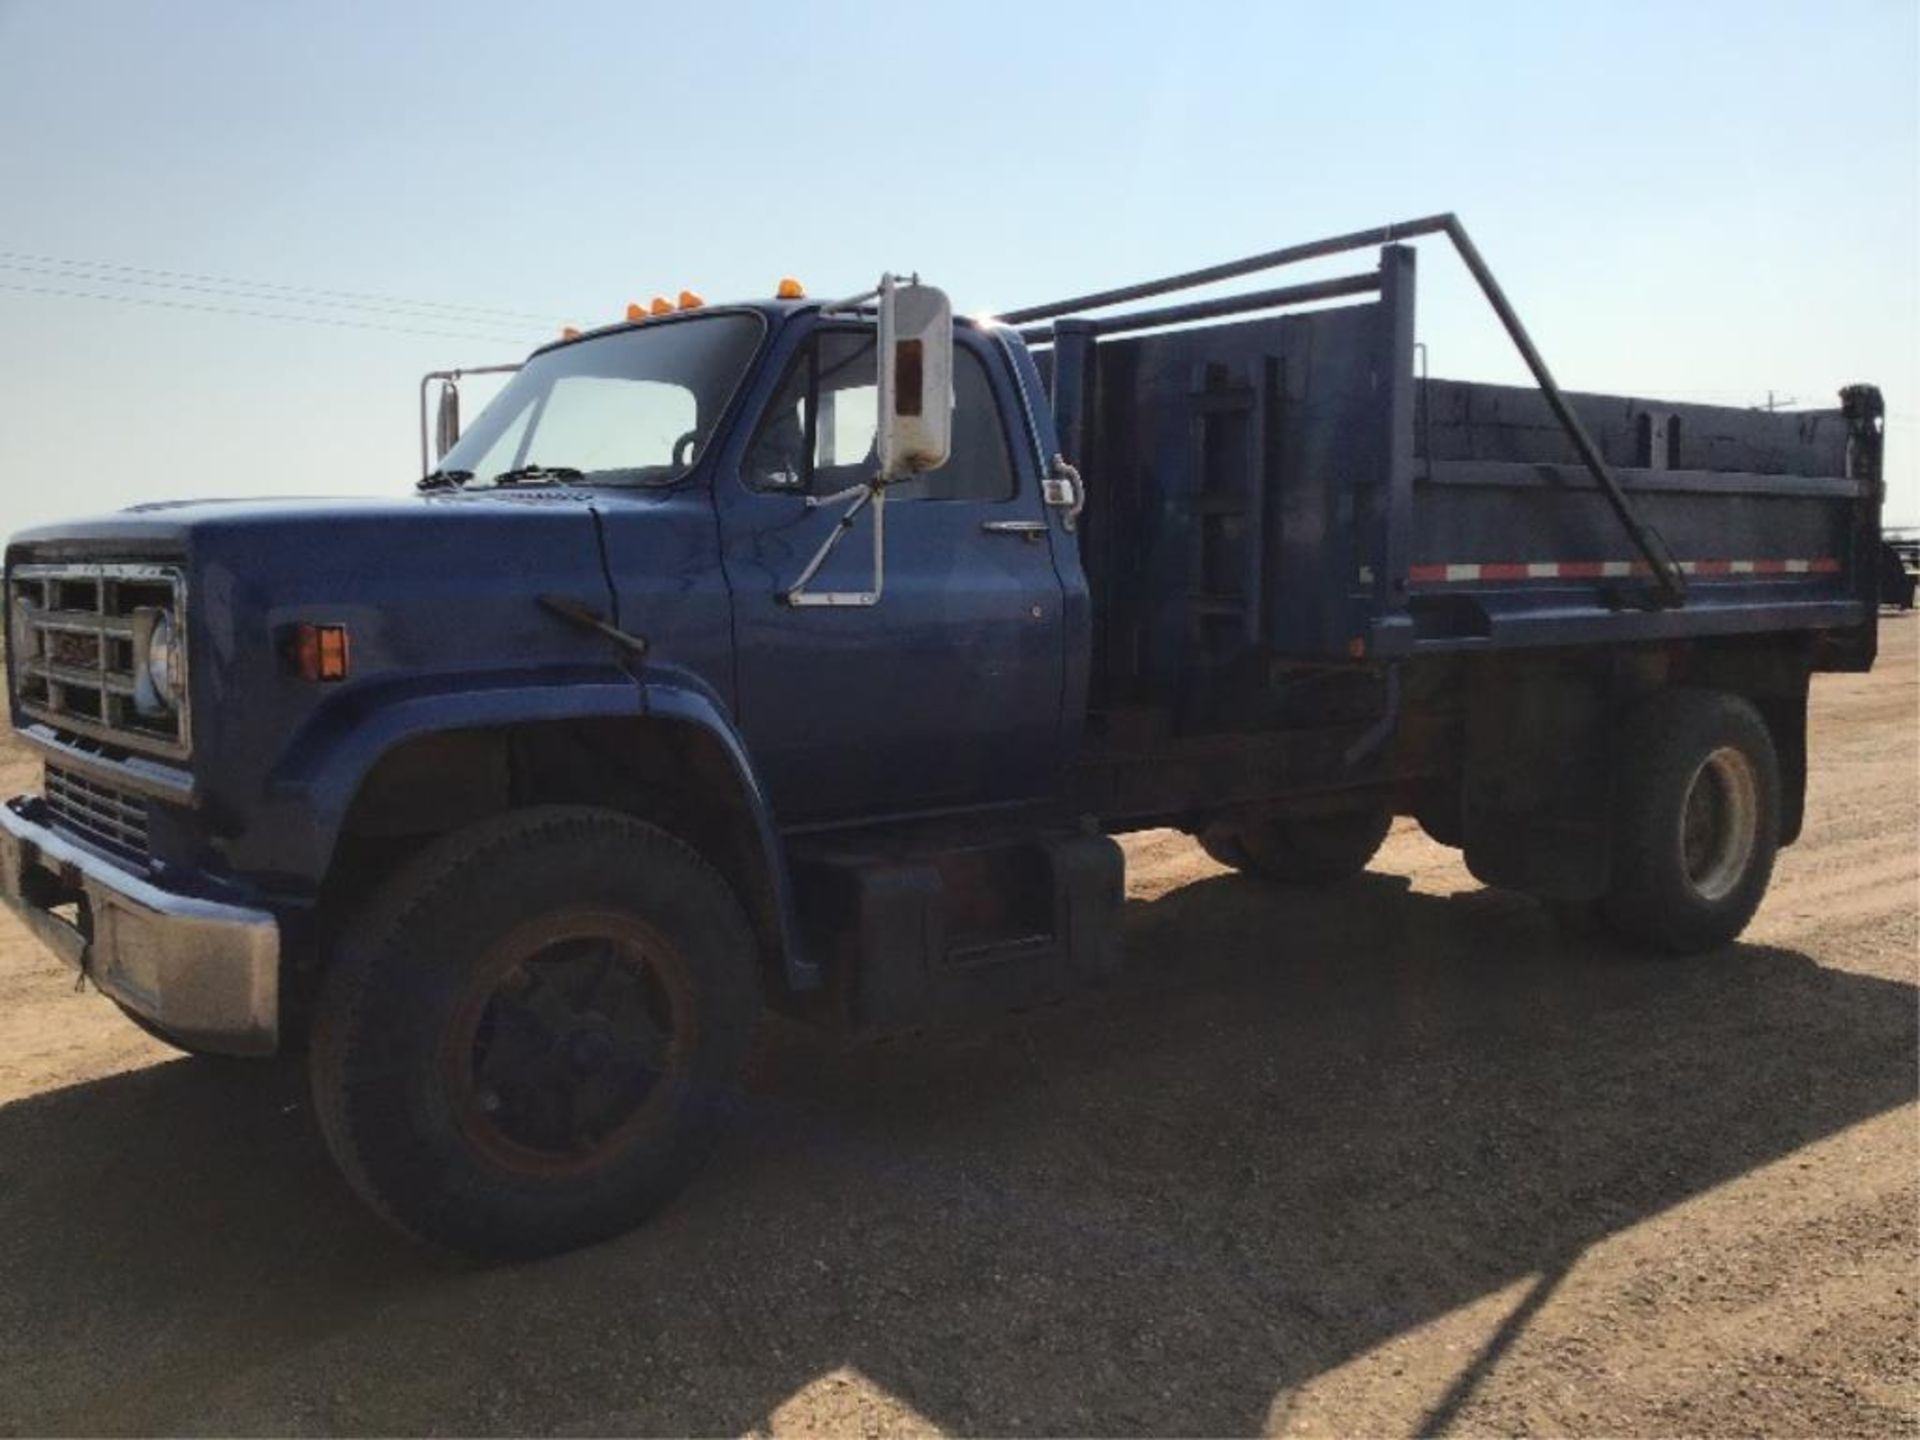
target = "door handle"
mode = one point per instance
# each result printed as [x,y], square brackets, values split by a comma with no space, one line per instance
[1014,527]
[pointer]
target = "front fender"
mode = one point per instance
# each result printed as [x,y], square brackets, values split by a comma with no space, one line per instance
[310,791]
[683,704]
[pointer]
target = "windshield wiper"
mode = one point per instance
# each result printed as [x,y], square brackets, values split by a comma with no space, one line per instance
[539,475]
[443,479]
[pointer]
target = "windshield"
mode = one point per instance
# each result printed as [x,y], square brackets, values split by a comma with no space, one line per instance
[635,407]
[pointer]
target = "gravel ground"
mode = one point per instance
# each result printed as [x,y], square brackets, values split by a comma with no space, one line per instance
[1398,1159]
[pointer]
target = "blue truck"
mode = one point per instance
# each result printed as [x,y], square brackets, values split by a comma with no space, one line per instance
[807,656]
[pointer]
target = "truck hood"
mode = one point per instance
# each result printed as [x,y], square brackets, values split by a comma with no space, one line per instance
[432,589]
[416,572]
[173,527]
[429,584]
[442,600]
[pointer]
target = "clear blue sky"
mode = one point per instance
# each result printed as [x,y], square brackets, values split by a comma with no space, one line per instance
[1700,200]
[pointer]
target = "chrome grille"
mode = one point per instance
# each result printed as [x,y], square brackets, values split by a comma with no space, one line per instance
[114,818]
[73,630]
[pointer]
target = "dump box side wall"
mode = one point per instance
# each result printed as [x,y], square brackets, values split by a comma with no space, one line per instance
[1495,471]
[1287,489]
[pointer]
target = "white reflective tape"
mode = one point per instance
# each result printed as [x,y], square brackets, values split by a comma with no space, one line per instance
[1492,571]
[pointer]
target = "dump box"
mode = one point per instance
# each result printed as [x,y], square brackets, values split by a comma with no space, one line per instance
[1290,483]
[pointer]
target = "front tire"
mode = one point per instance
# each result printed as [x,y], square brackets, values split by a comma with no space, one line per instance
[1696,822]
[531,1035]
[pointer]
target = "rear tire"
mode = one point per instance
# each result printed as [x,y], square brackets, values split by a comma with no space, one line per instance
[1696,822]
[1301,849]
[530,1037]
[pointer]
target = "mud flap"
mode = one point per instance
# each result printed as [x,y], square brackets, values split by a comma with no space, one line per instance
[1534,802]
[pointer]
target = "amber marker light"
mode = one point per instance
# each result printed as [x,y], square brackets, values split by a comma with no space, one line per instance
[690,301]
[791,289]
[635,312]
[320,652]
[661,305]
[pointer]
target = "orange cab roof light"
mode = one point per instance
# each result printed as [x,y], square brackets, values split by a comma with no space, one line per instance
[690,301]
[791,289]
[660,305]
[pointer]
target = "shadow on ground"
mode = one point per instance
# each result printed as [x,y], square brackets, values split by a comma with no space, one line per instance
[1297,1127]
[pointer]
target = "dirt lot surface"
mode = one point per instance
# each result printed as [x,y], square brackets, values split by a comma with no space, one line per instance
[1391,1160]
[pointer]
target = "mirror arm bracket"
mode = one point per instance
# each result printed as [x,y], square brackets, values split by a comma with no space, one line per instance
[873,492]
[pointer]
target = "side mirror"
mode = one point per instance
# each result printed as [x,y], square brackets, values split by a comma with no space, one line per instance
[446,422]
[916,379]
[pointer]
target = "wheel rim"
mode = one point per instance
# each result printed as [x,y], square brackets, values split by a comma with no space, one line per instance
[1719,823]
[573,1034]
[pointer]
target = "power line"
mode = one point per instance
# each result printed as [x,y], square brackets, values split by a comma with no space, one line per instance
[101,271]
[405,309]
[330,320]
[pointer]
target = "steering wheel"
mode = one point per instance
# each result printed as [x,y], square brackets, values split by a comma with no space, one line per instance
[686,442]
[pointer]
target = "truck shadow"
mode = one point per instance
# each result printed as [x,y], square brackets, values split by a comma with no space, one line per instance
[1295,1128]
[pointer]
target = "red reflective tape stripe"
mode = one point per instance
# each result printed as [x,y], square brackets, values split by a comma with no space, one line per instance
[1507,570]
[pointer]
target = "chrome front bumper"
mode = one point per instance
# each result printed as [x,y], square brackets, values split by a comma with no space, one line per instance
[206,972]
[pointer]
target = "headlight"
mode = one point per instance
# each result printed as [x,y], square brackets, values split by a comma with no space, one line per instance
[156,674]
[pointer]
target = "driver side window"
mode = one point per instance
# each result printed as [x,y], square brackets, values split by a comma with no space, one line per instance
[818,434]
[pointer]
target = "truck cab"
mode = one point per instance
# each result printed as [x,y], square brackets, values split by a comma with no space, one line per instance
[710,477]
